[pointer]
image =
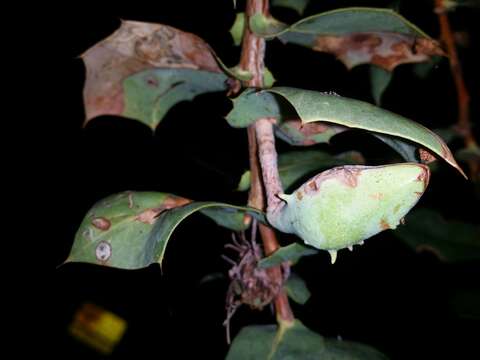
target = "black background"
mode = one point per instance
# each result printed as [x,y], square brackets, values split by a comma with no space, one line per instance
[382,294]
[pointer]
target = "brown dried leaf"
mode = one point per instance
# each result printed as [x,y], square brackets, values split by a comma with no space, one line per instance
[135,47]
[386,50]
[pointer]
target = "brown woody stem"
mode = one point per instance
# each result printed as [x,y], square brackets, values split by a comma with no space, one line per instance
[463,95]
[252,60]
[268,160]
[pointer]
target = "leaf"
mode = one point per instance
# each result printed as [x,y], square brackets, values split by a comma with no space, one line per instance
[237,28]
[405,149]
[297,5]
[451,241]
[297,289]
[244,183]
[292,253]
[343,206]
[297,133]
[143,69]
[313,106]
[357,35]
[294,165]
[379,80]
[294,341]
[131,230]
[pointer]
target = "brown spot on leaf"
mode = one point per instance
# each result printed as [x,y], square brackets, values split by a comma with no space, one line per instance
[101,223]
[302,134]
[384,49]
[149,216]
[384,224]
[313,185]
[424,176]
[299,195]
[426,156]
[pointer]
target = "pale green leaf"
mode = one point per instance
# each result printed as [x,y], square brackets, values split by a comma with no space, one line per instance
[237,28]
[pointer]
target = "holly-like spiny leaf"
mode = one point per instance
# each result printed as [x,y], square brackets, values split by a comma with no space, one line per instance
[131,230]
[143,69]
[357,35]
[295,341]
[427,230]
[284,103]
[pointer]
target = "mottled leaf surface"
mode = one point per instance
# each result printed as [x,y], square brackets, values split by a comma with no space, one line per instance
[357,35]
[131,230]
[449,240]
[295,341]
[313,106]
[143,69]
[296,133]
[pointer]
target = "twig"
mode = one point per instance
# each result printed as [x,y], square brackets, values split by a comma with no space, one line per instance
[252,60]
[463,96]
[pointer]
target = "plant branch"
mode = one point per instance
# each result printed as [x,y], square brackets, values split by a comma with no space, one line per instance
[268,161]
[463,96]
[252,60]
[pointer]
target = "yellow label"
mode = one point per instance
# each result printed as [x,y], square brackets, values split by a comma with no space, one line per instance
[97,327]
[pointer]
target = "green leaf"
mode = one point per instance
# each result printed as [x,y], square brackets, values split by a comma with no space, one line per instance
[245,181]
[292,253]
[297,5]
[150,94]
[313,106]
[297,289]
[131,230]
[379,80]
[405,149]
[295,341]
[356,35]
[294,165]
[237,28]
[424,69]
[451,241]
[143,69]
[343,206]
[297,133]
